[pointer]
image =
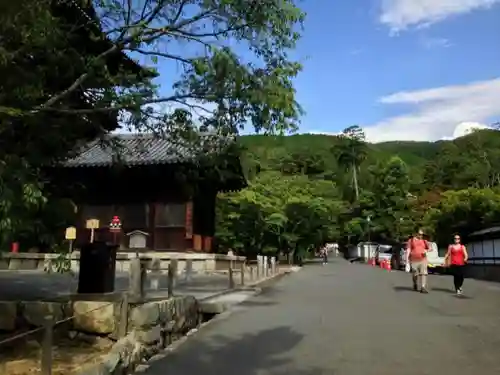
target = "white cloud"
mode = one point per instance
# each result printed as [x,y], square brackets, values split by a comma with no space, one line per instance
[438,111]
[430,43]
[398,15]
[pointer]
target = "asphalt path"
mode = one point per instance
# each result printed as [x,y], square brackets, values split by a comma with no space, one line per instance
[349,319]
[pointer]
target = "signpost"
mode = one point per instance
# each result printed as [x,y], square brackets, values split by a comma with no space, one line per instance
[92,224]
[70,236]
[115,227]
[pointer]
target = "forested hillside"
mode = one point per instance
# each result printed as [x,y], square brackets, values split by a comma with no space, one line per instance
[308,189]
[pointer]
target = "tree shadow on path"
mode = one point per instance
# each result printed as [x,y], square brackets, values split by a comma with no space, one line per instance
[262,353]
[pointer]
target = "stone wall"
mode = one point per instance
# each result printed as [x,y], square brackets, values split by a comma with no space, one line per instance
[198,262]
[489,272]
[98,317]
[150,326]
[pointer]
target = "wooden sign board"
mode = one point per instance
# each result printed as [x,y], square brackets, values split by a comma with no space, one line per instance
[92,224]
[70,233]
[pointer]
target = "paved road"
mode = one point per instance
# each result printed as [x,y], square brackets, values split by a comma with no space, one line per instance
[37,285]
[348,319]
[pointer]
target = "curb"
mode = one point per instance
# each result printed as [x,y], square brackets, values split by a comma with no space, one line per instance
[141,368]
[248,287]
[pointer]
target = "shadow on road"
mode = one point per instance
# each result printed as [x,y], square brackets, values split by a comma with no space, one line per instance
[444,290]
[449,291]
[399,288]
[245,355]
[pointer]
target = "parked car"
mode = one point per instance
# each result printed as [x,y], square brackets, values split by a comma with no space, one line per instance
[398,259]
[383,252]
[435,262]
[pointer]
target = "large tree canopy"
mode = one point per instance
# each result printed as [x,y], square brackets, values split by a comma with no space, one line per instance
[228,59]
[67,77]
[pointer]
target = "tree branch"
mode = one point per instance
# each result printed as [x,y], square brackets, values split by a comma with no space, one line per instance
[160,54]
[119,45]
[82,111]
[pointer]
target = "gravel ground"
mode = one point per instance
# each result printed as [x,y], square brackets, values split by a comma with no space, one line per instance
[349,319]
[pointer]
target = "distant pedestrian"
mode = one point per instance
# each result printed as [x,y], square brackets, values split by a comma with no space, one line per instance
[416,256]
[324,254]
[456,258]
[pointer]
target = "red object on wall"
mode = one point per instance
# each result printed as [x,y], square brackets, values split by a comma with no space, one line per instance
[115,225]
[14,247]
[189,220]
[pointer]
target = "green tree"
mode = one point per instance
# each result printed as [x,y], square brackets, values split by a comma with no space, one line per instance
[350,152]
[197,35]
[386,203]
[66,78]
[463,211]
[291,215]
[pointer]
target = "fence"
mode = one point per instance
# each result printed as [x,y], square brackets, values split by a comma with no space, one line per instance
[53,336]
[146,277]
[53,333]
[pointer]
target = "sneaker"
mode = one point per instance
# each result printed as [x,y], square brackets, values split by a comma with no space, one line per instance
[459,292]
[424,290]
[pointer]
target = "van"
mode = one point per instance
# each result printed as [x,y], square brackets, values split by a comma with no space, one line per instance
[435,263]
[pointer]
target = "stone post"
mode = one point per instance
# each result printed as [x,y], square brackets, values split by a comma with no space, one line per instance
[137,278]
[273,266]
[259,266]
[155,275]
[188,272]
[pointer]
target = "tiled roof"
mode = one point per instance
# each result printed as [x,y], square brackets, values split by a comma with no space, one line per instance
[142,149]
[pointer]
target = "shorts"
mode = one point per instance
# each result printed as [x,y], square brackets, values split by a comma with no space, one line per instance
[419,268]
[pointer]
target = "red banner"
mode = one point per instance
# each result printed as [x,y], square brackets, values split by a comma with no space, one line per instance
[189,220]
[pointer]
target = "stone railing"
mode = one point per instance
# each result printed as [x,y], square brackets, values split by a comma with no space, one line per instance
[197,262]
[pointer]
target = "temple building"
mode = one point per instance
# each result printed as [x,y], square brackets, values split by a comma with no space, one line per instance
[162,191]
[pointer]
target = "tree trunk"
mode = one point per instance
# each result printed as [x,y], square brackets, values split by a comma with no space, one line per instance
[355,180]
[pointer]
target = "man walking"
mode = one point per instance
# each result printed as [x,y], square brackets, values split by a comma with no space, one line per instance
[416,255]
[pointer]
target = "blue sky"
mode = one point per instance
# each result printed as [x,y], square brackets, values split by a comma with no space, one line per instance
[401,69]
[362,51]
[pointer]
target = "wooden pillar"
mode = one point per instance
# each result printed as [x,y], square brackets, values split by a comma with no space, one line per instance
[197,242]
[204,219]
[189,226]
[151,226]
[207,244]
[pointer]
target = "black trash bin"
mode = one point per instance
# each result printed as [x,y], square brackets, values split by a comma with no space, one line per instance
[97,268]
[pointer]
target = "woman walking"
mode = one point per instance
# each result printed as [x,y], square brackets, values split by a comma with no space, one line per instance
[456,258]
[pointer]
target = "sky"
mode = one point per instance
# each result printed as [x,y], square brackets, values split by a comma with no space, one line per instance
[401,69]
[419,70]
